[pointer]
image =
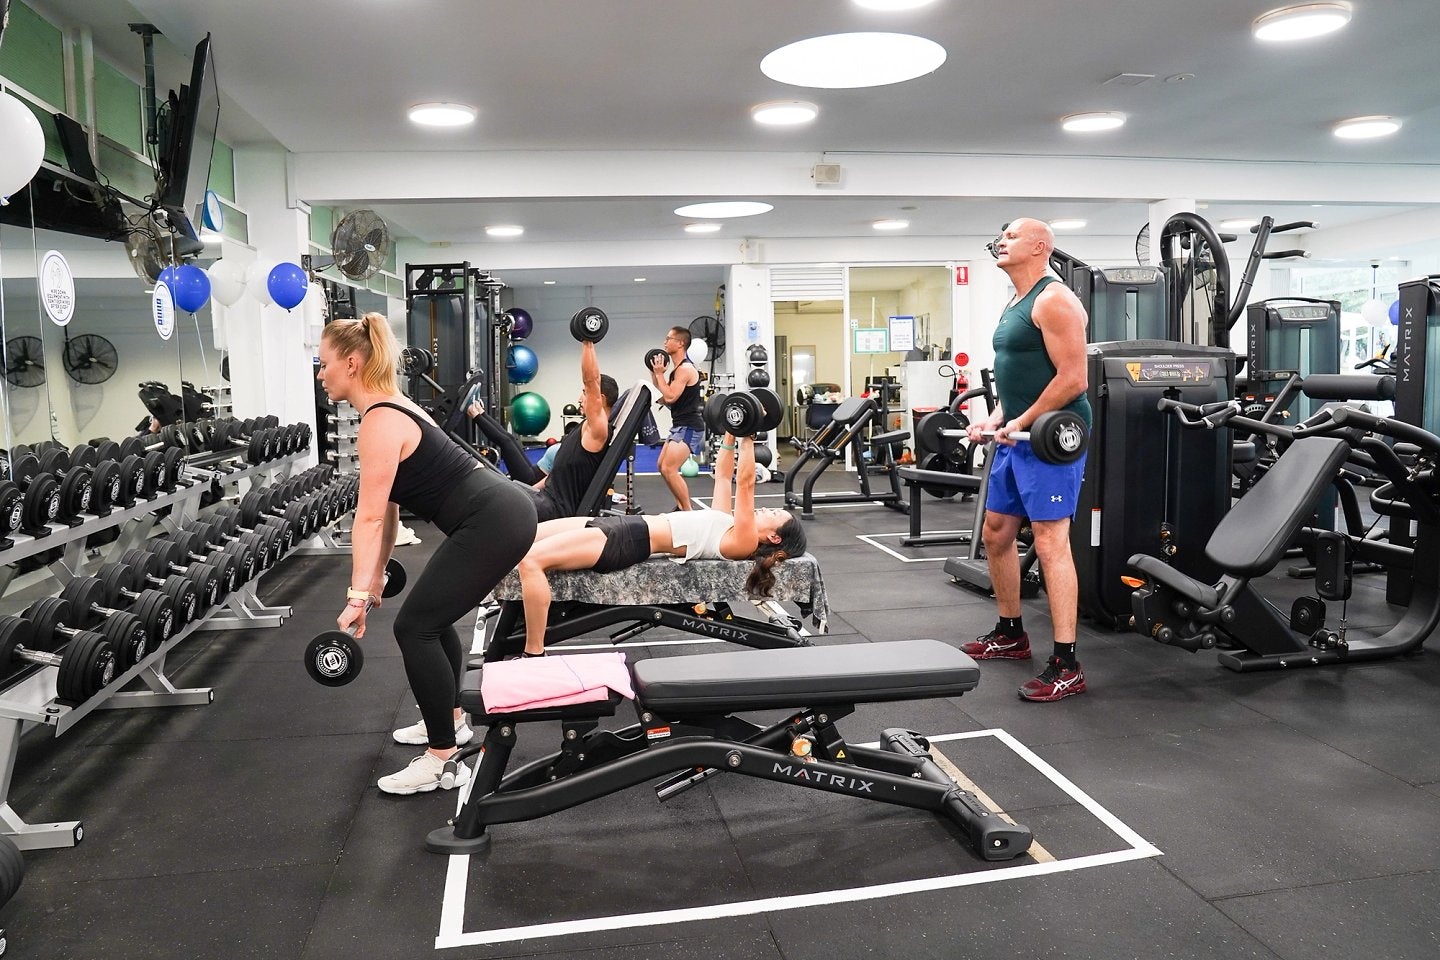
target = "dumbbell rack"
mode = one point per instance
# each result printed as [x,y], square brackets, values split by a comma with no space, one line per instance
[32,699]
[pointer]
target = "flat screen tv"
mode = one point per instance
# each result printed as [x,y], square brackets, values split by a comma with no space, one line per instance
[187,139]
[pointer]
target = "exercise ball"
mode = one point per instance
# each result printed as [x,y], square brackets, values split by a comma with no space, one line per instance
[521,364]
[763,455]
[690,468]
[1395,312]
[758,377]
[521,323]
[698,350]
[24,145]
[529,413]
[571,410]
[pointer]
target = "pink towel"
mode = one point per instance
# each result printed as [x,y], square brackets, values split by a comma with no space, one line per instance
[510,685]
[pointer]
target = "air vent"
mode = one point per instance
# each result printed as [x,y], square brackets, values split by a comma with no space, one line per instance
[1128,79]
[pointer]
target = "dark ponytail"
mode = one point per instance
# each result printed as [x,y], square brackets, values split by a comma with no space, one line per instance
[792,544]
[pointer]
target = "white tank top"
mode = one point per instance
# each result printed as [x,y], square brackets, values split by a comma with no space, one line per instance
[699,532]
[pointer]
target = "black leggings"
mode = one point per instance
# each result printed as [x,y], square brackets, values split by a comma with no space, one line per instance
[516,463]
[490,523]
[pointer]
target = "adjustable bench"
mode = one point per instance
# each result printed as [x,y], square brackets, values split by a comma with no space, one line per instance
[662,593]
[935,483]
[686,708]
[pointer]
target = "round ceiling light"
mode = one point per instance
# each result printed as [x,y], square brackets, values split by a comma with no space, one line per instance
[702,228]
[442,114]
[1366,128]
[1070,223]
[1300,21]
[848,60]
[784,113]
[721,209]
[1092,122]
[892,5]
[891,224]
[504,230]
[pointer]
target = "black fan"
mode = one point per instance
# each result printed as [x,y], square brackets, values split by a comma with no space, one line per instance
[90,358]
[710,330]
[225,368]
[24,362]
[361,243]
[1142,245]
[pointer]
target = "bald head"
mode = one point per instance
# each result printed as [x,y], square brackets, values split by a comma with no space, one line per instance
[1030,230]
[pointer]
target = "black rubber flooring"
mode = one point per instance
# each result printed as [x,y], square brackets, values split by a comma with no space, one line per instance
[1292,815]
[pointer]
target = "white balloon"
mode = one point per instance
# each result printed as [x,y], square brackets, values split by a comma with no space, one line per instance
[1375,313]
[227,282]
[24,145]
[698,351]
[257,280]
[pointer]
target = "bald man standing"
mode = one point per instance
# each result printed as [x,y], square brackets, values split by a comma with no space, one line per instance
[1039,366]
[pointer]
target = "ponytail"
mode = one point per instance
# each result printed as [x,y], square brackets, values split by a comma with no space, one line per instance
[371,339]
[761,580]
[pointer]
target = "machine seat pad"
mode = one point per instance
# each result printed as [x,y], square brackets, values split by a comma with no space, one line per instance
[794,677]
[660,580]
[852,409]
[893,436]
[940,478]
[1258,529]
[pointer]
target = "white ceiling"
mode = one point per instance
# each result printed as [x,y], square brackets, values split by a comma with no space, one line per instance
[335,76]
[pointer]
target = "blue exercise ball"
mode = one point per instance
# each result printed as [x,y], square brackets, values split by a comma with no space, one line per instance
[529,414]
[521,323]
[521,364]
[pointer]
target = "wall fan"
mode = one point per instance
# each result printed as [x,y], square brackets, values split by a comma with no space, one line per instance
[1142,246]
[151,248]
[711,330]
[359,244]
[90,358]
[24,363]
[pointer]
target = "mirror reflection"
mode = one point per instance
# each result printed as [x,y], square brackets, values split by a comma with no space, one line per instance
[27,405]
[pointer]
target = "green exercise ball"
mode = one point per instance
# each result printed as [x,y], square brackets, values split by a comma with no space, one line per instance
[690,468]
[529,413]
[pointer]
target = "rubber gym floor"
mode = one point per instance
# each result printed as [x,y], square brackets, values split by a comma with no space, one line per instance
[1184,811]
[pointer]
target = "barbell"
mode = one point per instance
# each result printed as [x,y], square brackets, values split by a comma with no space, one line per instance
[1056,436]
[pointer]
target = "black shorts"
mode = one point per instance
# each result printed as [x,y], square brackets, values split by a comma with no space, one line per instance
[627,542]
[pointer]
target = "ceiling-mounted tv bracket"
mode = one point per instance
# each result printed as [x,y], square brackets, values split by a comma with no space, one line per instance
[148,32]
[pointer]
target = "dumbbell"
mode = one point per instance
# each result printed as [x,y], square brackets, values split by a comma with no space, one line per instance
[132,634]
[124,588]
[269,537]
[162,460]
[194,587]
[333,658]
[87,664]
[1056,436]
[40,495]
[589,324]
[650,356]
[261,440]
[75,481]
[234,563]
[104,465]
[281,503]
[744,414]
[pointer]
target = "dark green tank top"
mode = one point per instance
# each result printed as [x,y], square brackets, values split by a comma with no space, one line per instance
[1022,367]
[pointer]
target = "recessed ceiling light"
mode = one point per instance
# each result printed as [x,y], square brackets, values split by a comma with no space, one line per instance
[640,279]
[1300,21]
[1092,122]
[892,4]
[504,230]
[1069,223]
[724,208]
[845,60]
[442,114]
[1366,128]
[890,224]
[784,113]
[548,283]
[1239,223]
[702,227]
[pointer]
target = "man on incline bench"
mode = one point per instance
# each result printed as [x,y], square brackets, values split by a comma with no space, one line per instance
[1039,366]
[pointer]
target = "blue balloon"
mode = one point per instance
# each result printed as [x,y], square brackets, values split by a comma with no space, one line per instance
[1395,313]
[521,364]
[170,276]
[287,285]
[191,288]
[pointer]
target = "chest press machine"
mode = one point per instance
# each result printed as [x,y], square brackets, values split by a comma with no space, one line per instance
[687,729]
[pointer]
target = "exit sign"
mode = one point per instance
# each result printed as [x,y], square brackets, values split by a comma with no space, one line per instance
[962,276]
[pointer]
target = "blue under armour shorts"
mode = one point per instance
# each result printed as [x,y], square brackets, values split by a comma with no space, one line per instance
[692,437]
[1023,485]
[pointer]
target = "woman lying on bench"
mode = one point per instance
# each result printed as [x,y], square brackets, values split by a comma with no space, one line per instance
[604,544]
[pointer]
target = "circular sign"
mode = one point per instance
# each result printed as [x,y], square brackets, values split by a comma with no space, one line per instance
[213,215]
[57,287]
[162,310]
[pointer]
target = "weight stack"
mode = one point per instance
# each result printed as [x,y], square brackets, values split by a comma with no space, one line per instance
[1151,485]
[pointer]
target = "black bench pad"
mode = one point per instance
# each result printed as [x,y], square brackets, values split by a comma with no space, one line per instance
[940,478]
[743,680]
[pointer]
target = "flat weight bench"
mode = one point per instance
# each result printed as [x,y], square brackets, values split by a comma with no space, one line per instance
[686,708]
[929,481]
[662,593]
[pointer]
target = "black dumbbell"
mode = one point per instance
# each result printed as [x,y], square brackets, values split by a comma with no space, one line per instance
[1056,436]
[333,658]
[87,664]
[175,559]
[744,414]
[125,588]
[186,592]
[279,501]
[40,501]
[234,563]
[650,356]
[163,460]
[76,481]
[270,538]
[132,634]
[589,324]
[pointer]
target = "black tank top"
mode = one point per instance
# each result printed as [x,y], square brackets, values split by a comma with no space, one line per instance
[425,478]
[685,411]
[574,468]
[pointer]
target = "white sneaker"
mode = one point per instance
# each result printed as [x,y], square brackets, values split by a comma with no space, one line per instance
[417,734]
[405,536]
[425,773]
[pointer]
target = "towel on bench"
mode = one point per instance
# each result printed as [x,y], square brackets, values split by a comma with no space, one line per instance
[550,681]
